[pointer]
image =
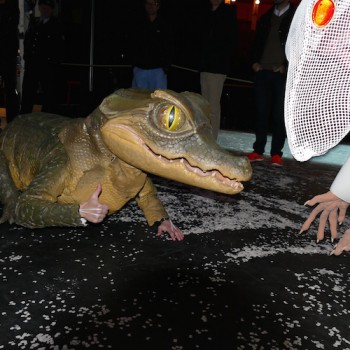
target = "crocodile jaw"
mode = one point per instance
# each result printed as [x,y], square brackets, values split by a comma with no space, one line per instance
[191,175]
[128,146]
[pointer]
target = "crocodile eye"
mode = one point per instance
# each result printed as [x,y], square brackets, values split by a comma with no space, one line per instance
[323,12]
[171,118]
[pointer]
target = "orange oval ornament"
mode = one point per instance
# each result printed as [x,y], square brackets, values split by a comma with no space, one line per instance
[323,12]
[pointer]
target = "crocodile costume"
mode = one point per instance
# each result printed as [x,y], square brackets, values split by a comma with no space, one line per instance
[50,163]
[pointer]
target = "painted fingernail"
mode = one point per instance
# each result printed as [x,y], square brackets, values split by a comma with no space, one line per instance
[332,252]
[318,241]
[306,203]
[340,223]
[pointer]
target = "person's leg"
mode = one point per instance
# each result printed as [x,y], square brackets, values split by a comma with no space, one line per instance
[262,104]
[49,79]
[211,86]
[157,79]
[204,84]
[29,88]
[139,80]
[12,99]
[203,78]
[278,126]
[134,78]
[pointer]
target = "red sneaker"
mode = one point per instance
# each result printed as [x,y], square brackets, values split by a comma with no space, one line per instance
[255,157]
[276,160]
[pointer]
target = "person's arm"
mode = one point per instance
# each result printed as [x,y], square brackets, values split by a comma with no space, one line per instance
[38,211]
[332,205]
[341,184]
[28,41]
[38,205]
[234,32]
[155,212]
[258,42]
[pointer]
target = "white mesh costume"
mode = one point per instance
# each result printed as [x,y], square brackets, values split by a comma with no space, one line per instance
[317,101]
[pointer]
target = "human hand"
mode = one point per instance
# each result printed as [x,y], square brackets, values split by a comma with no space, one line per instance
[281,69]
[256,67]
[331,208]
[174,232]
[92,210]
[343,244]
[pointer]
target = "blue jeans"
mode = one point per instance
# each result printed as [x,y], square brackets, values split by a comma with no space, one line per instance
[269,101]
[151,79]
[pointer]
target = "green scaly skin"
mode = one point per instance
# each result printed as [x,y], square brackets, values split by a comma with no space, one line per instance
[49,164]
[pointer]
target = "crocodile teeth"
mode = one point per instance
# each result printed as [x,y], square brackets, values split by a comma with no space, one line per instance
[199,172]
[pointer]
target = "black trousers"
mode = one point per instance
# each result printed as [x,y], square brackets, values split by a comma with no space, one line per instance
[269,92]
[43,77]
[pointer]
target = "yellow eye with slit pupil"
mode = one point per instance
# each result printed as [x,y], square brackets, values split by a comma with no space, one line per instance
[171,118]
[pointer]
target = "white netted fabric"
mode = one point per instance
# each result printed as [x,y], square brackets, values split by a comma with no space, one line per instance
[317,101]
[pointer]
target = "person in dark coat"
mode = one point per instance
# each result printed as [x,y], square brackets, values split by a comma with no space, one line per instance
[9,43]
[43,52]
[219,39]
[150,48]
[270,70]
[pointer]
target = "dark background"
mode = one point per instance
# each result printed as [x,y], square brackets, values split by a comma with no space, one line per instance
[112,23]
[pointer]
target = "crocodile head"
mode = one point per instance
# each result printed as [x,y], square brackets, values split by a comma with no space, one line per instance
[168,134]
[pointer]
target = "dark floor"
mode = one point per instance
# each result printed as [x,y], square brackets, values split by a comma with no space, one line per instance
[243,278]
